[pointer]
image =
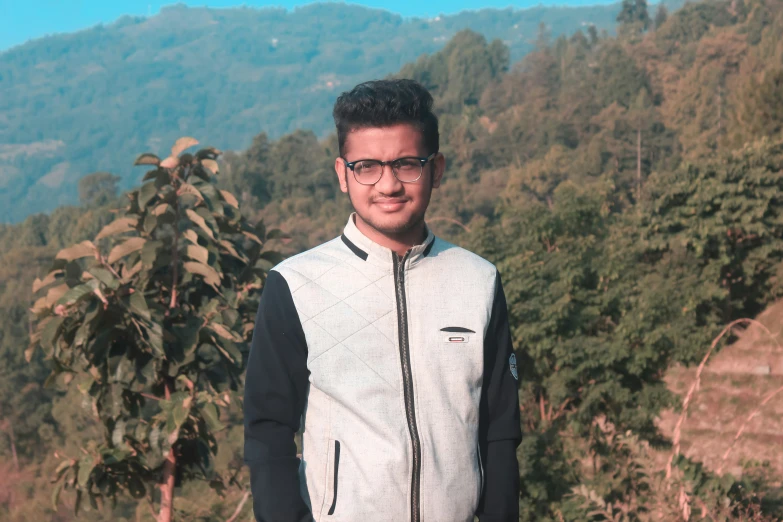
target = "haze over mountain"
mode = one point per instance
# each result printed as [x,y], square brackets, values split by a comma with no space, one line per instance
[78,103]
[26,20]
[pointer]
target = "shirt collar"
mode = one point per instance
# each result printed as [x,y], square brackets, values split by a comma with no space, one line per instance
[372,252]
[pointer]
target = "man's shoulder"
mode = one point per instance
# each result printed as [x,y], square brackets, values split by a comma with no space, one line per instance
[445,252]
[311,263]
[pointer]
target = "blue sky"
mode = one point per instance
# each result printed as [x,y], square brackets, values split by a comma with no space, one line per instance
[21,20]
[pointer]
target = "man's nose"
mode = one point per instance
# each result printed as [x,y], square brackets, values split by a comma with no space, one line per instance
[388,184]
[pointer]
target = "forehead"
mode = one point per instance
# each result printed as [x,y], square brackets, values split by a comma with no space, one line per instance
[384,143]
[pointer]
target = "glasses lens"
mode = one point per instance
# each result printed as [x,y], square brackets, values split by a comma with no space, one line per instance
[367,172]
[407,169]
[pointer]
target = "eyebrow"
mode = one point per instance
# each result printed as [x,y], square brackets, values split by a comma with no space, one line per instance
[376,159]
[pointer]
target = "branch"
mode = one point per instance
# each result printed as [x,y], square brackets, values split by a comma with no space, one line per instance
[695,386]
[450,220]
[755,412]
[238,510]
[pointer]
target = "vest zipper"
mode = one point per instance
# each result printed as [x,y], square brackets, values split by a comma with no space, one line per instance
[407,381]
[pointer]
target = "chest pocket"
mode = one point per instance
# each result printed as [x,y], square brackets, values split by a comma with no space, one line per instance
[457,334]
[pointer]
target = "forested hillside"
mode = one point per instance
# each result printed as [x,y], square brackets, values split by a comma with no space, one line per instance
[628,189]
[78,103]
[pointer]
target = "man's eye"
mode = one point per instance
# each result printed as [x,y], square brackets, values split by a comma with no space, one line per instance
[408,164]
[366,166]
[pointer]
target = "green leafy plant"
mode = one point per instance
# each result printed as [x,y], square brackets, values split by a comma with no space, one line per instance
[151,321]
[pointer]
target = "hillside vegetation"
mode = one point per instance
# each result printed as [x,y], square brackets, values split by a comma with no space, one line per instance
[628,189]
[74,104]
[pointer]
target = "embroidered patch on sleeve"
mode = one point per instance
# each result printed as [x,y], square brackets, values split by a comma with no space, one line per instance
[512,365]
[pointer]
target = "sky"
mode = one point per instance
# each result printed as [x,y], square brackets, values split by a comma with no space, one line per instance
[22,20]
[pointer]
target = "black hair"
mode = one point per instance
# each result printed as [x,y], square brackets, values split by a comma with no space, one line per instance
[383,103]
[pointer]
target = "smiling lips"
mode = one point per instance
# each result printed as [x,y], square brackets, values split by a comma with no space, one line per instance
[390,205]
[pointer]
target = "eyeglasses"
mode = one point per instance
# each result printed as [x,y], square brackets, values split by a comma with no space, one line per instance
[370,171]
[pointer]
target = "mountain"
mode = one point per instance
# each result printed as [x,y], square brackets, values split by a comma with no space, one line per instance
[78,103]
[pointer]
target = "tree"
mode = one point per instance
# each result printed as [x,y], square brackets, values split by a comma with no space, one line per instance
[633,17]
[458,74]
[761,112]
[97,189]
[726,216]
[661,14]
[154,333]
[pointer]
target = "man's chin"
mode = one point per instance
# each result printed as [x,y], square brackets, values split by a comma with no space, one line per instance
[391,223]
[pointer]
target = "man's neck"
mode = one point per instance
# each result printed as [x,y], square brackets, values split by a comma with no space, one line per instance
[399,243]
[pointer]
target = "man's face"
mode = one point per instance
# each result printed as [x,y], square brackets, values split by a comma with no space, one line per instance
[390,206]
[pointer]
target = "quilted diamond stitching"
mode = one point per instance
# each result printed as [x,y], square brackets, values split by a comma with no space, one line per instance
[331,321]
[342,345]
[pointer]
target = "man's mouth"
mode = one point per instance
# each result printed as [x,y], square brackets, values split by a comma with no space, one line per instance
[390,205]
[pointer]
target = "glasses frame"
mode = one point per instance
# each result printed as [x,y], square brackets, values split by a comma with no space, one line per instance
[390,163]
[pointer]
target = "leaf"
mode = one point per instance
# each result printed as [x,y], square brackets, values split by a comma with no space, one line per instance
[150,222]
[180,414]
[147,159]
[208,152]
[28,353]
[276,233]
[188,334]
[82,334]
[260,228]
[187,188]
[212,198]
[51,331]
[105,277]
[229,198]
[83,249]
[224,332]
[76,294]
[129,273]
[198,220]
[133,244]
[44,303]
[146,193]
[210,164]
[273,256]
[183,143]
[231,352]
[117,226]
[170,162]
[197,253]
[56,495]
[154,338]
[50,278]
[251,236]
[150,251]
[58,473]
[162,179]
[138,305]
[85,469]
[231,250]
[210,414]
[160,209]
[191,236]
[207,272]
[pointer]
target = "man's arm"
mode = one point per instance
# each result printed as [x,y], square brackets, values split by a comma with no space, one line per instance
[275,394]
[499,424]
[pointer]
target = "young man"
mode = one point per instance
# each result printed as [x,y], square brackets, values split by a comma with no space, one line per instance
[391,348]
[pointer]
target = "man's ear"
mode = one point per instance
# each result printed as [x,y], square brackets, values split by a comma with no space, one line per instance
[341,170]
[438,169]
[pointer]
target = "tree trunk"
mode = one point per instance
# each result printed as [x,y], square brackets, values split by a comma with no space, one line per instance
[638,164]
[14,456]
[169,474]
[170,464]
